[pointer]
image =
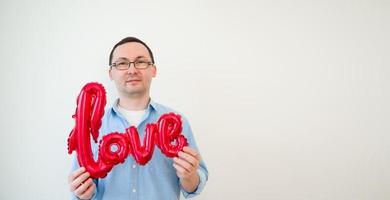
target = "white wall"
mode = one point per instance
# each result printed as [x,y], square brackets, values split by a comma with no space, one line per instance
[288,99]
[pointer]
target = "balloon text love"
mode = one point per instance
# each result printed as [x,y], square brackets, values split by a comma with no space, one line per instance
[115,147]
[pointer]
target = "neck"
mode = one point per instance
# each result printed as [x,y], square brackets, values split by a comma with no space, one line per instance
[134,102]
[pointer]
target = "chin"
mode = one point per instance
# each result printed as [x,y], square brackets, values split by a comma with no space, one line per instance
[134,92]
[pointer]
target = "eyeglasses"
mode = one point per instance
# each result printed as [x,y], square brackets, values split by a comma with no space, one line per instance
[138,64]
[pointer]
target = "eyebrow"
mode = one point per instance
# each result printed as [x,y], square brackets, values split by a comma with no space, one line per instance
[124,58]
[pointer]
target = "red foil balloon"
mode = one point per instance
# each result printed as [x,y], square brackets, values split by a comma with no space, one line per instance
[142,154]
[118,155]
[115,147]
[170,131]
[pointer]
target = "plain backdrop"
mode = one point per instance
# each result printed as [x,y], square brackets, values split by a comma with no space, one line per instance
[287,99]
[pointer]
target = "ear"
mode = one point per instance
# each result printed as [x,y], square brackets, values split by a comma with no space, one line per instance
[110,73]
[154,71]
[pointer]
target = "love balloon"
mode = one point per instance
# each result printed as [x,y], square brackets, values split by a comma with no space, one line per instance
[88,116]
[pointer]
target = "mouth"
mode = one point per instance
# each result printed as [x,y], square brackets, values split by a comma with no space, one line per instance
[133,81]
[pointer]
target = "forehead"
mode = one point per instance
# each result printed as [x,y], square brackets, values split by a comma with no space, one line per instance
[130,50]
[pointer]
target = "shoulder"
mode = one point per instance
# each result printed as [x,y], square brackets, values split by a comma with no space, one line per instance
[160,108]
[163,109]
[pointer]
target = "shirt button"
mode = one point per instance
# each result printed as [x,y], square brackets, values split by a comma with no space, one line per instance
[134,166]
[134,190]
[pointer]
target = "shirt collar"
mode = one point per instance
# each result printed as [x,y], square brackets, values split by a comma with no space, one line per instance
[151,106]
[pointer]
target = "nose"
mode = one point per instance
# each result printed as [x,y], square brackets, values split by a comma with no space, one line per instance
[132,68]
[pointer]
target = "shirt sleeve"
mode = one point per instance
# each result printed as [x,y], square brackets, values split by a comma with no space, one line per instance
[198,190]
[202,170]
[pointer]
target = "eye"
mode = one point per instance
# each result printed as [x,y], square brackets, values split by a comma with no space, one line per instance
[141,62]
[122,63]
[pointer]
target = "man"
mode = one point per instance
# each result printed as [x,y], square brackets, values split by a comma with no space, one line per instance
[132,69]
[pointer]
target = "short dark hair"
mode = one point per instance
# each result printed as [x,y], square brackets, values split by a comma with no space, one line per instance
[127,40]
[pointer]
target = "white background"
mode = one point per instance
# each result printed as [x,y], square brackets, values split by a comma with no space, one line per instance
[287,99]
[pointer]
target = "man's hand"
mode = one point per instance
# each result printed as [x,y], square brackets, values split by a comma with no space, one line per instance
[186,165]
[81,185]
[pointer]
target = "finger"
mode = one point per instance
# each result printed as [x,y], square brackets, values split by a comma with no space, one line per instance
[184,164]
[83,187]
[189,158]
[88,193]
[76,173]
[180,171]
[191,151]
[75,184]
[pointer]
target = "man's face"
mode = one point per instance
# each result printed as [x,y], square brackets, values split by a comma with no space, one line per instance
[132,82]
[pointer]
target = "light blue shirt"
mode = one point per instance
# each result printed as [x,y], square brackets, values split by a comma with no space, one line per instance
[157,180]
